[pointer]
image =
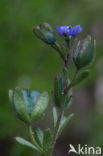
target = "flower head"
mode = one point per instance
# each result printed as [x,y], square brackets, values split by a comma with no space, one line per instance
[68,30]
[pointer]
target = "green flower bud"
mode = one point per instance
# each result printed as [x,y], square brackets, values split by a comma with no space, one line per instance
[45,33]
[28,106]
[59,87]
[83,52]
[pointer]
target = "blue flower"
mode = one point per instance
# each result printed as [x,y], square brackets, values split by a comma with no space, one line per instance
[68,30]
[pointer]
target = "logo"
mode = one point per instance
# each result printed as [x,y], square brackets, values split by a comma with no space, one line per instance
[84,150]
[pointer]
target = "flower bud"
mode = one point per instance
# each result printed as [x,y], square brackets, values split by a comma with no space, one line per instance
[45,33]
[28,106]
[59,87]
[83,52]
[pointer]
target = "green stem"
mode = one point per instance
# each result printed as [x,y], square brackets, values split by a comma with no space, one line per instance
[56,47]
[57,128]
[33,140]
[69,86]
[54,138]
[60,116]
[75,75]
[55,132]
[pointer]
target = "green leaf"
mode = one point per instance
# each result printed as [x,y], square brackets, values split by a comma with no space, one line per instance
[82,76]
[46,139]
[11,94]
[68,100]
[26,143]
[59,83]
[39,136]
[40,106]
[20,106]
[64,123]
[55,116]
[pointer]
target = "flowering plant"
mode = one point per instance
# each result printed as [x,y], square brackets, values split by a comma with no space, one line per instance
[30,105]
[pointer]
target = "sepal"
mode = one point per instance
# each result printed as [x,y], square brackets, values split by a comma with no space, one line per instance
[83,52]
[40,106]
[45,33]
[59,87]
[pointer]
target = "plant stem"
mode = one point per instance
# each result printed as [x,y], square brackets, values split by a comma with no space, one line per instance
[56,132]
[56,47]
[69,86]
[33,140]
[66,61]
[53,141]
[61,115]
[75,75]
[56,128]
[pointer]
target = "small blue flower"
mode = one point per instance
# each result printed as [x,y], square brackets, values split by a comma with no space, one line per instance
[68,30]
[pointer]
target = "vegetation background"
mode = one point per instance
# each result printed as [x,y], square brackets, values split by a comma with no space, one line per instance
[27,62]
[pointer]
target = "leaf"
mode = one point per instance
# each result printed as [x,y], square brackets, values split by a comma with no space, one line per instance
[79,78]
[40,106]
[46,139]
[20,106]
[39,135]
[11,94]
[64,123]
[58,90]
[68,100]
[26,143]
[55,116]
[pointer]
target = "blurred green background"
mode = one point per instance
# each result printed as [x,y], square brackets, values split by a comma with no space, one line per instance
[27,62]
